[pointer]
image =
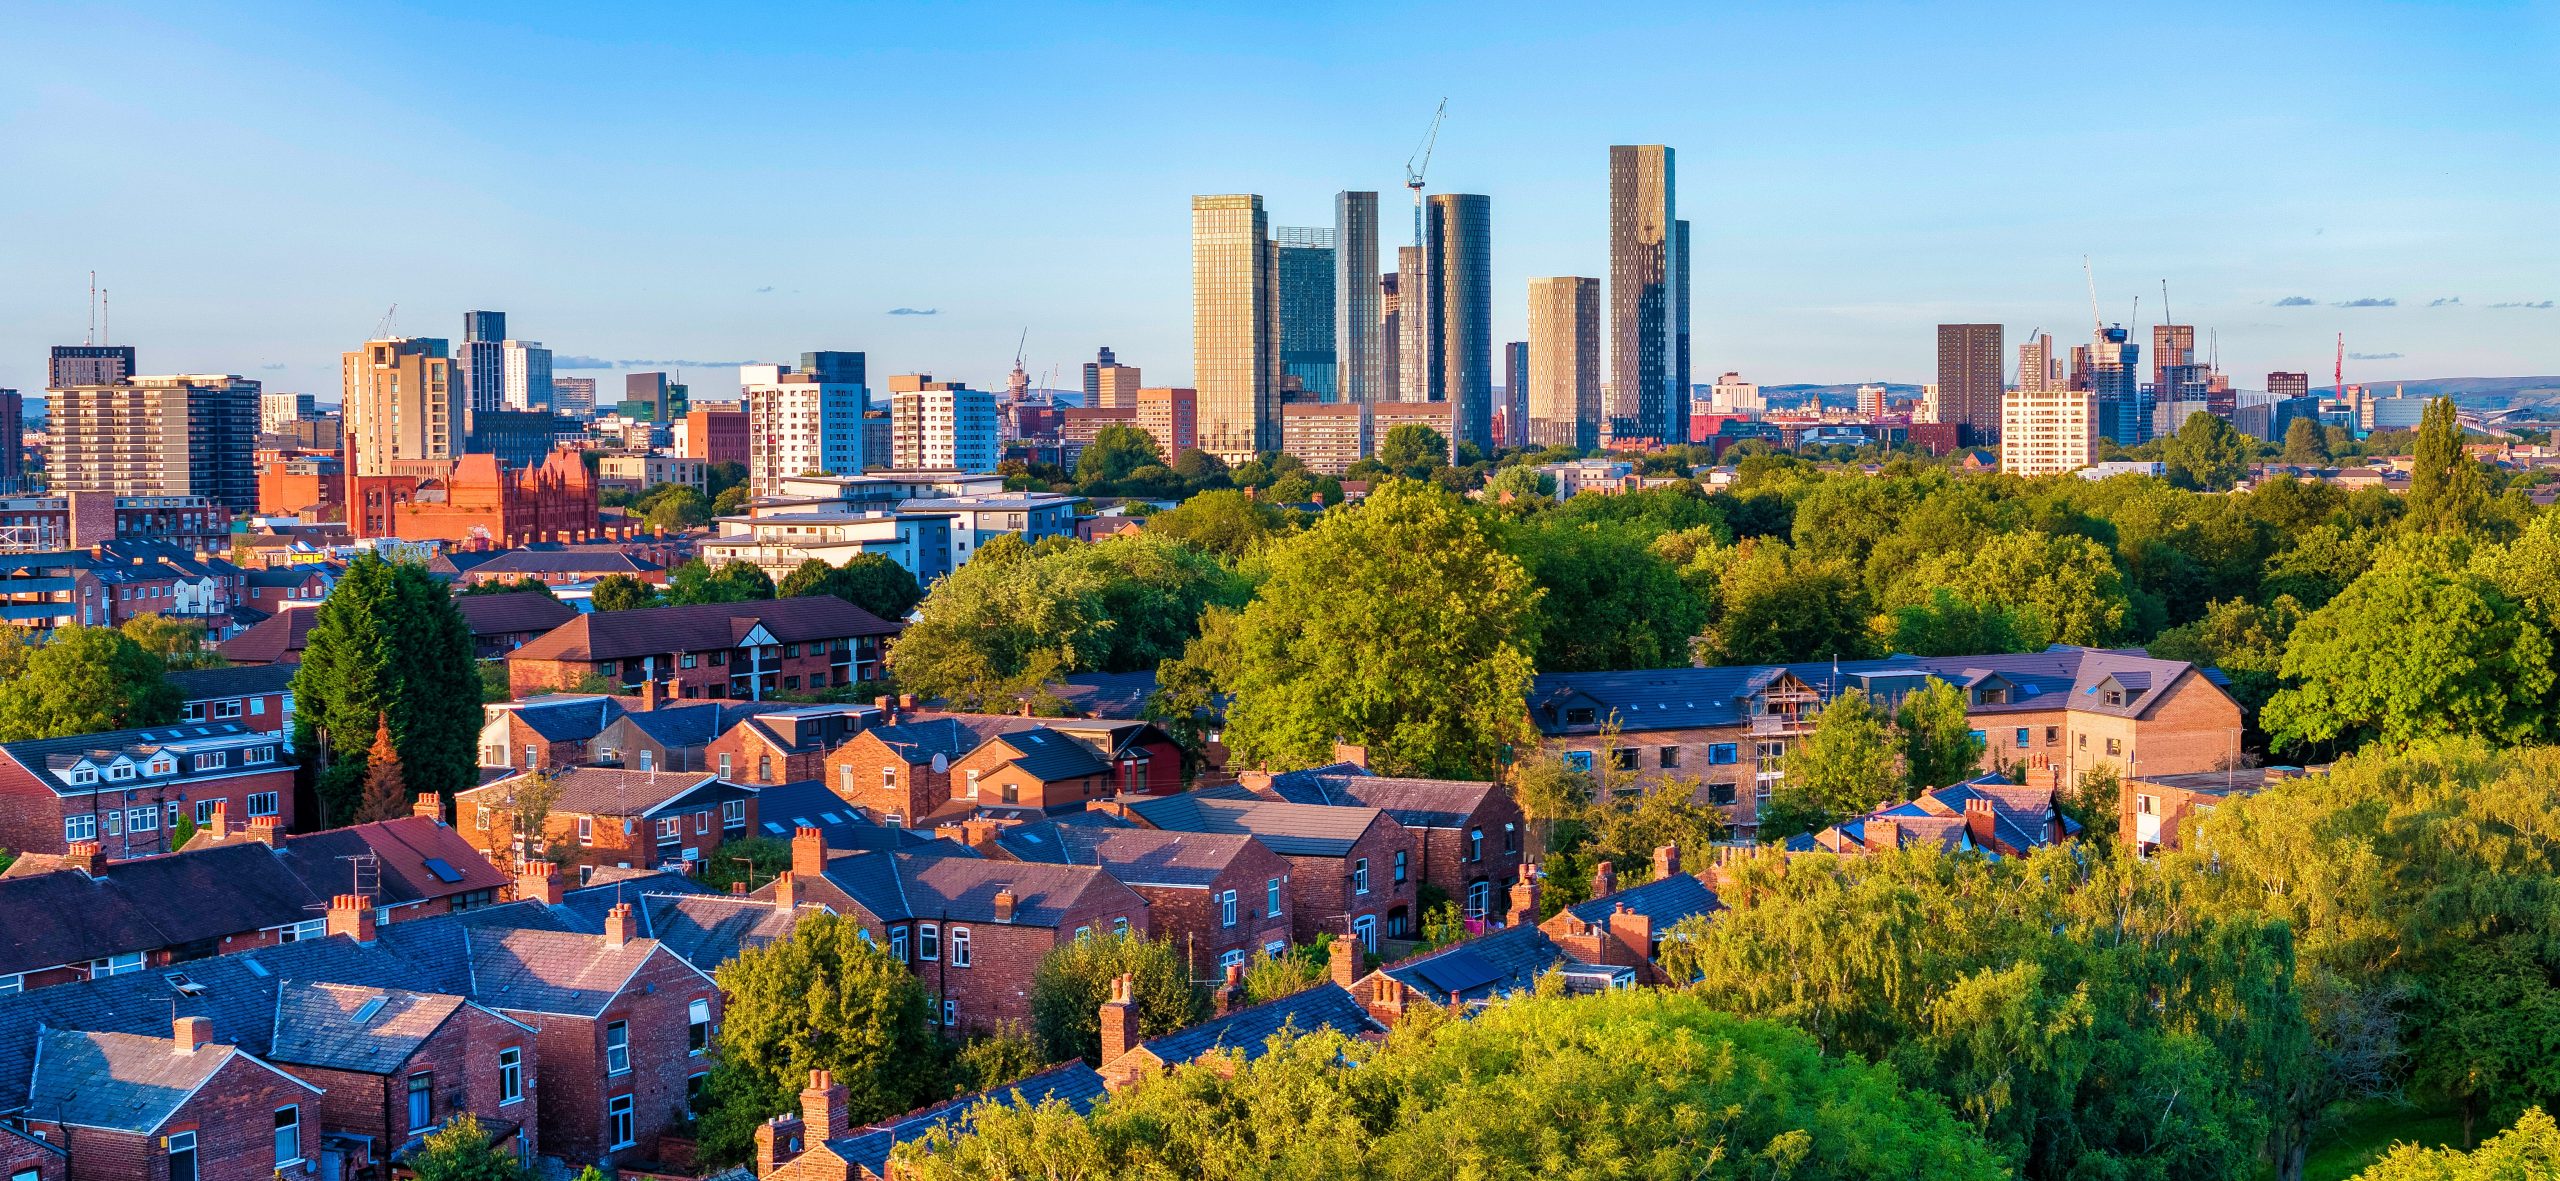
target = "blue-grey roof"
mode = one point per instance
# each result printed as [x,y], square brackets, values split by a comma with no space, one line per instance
[248,680]
[783,807]
[1136,856]
[918,741]
[1074,1084]
[1488,966]
[1049,756]
[1108,695]
[1325,1006]
[1415,803]
[896,887]
[1663,900]
[1295,830]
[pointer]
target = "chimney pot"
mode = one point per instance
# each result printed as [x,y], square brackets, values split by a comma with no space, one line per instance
[786,890]
[1666,862]
[1524,897]
[1119,1020]
[217,827]
[266,830]
[428,804]
[539,881]
[1604,879]
[826,1109]
[1005,900]
[617,925]
[351,915]
[808,852]
[86,857]
[192,1033]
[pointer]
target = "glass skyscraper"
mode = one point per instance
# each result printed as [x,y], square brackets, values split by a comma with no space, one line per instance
[1648,297]
[1307,265]
[1235,326]
[484,360]
[1357,318]
[1460,251]
[2115,376]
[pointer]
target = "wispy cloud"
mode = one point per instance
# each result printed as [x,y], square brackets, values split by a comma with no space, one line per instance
[2367,302]
[2373,356]
[2521,304]
[2296,301]
[574,361]
[915,311]
[2446,302]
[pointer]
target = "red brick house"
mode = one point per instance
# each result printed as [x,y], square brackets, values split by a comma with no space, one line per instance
[753,650]
[132,1106]
[1622,928]
[269,589]
[610,816]
[1470,834]
[258,696]
[1217,899]
[550,731]
[122,791]
[900,774]
[921,767]
[973,930]
[501,623]
[1350,869]
[393,1065]
[25,1158]
[819,1143]
[1989,815]
[1246,1032]
[785,745]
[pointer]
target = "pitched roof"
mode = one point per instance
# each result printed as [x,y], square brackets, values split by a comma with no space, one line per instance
[809,728]
[615,791]
[686,724]
[1075,1084]
[581,562]
[43,756]
[2021,819]
[280,637]
[1309,830]
[709,930]
[919,740]
[1496,964]
[418,859]
[1135,856]
[249,680]
[1049,756]
[347,1027]
[1663,900]
[901,886]
[123,1081]
[561,717]
[702,627]
[806,803]
[513,612]
[555,972]
[1325,1006]
[1415,803]
[1108,695]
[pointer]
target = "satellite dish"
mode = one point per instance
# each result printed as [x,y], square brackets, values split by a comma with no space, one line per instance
[941,764]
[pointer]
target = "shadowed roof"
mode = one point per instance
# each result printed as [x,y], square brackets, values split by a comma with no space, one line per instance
[702,627]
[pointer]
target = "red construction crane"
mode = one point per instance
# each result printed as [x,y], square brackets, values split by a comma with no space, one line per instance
[2341,374]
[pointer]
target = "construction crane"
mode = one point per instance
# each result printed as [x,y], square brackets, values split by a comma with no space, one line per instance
[2341,375]
[2097,321]
[382,331]
[1420,162]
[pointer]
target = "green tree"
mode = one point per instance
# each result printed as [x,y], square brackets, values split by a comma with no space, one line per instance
[14,650]
[2207,453]
[460,1150]
[2069,584]
[1072,982]
[1845,766]
[872,582]
[1413,450]
[622,592]
[1224,522]
[1398,625]
[86,680]
[1626,832]
[2409,651]
[992,1060]
[2529,1151]
[1520,481]
[388,643]
[2448,490]
[1269,977]
[1939,746]
[509,586]
[825,998]
[677,510]
[1200,470]
[1777,606]
[2306,444]
[1116,451]
[178,643]
[2242,639]
[731,501]
[1950,624]
[750,863]
[1610,602]
[734,582]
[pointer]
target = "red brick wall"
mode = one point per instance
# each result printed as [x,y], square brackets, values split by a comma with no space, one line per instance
[754,758]
[852,772]
[574,1086]
[1442,852]
[20,1153]
[1322,901]
[813,668]
[31,815]
[1189,918]
[233,1117]
[463,1057]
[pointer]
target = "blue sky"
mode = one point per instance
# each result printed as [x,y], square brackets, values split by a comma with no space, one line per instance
[256,183]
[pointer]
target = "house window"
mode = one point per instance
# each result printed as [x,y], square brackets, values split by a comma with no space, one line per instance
[1624,758]
[1227,908]
[1480,900]
[648,761]
[733,814]
[1120,926]
[973,783]
[959,947]
[888,779]
[182,1156]
[142,820]
[1510,837]
[2052,734]
[481,821]
[702,822]
[697,1026]
[115,965]
[1400,866]
[928,941]
[288,1135]
[586,830]
[764,768]
[259,754]
[1721,794]
[1360,875]
[511,1075]
[262,803]
[1083,933]
[2115,746]
[1276,948]
[1012,793]
[1578,760]
[2147,805]
[115,823]
[1271,898]
[1475,844]
[306,929]
[685,661]
[2083,739]
[617,1048]
[617,1118]
[1670,756]
[2115,696]
[82,827]
[2026,737]
[1365,929]
[13,984]
[531,757]
[1230,960]
[898,943]
[950,1011]
[422,1101]
[724,766]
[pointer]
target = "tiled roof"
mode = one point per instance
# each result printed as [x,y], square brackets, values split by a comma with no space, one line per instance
[1663,900]
[550,971]
[280,638]
[41,757]
[1074,1084]
[809,728]
[2020,818]
[1325,1006]
[289,576]
[614,791]
[205,684]
[688,724]
[1050,756]
[562,717]
[513,613]
[1491,965]
[347,1027]
[1307,830]
[436,950]
[1415,803]
[1108,695]
[1136,856]
[584,909]
[418,859]
[123,1081]
[902,886]
[702,627]
[578,562]
[709,930]
[919,740]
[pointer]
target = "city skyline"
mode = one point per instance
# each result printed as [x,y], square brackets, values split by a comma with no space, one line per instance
[1836,224]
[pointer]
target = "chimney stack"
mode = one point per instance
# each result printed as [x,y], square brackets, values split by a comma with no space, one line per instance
[617,925]
[1230,996]
[217,826]
[1634,932]
[649,694]
[1524,897]
[1119,1019]
[351,915]
[1005,900]
[826,1109]
[539,881]
[86,857]
[1388,1007]
[786,890]
[428,804]
[1883,834]
[1342,961]
[192,1033]
[266,830]
[1666,862]
[808,852]
[1352,753]
[1604,880]
[1980,821]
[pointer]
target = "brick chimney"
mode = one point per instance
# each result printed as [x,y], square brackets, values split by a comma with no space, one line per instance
[86,857]
[539,881]
[1257,781]
[351,915]
[786,890]
[428,804]
[266,830]
[649,695]
[1604,879]
[1666,862]
[1230,994]
[808,852]
[192,1033]
[1387,1004]
[1005,900]
[1352,753]
[217,827]
[1524,897]
[907,702]
[1120,1019]
[1979,820]
[1883,834]
[1634,933]
[1342,961]
[826,1110]
[617,925]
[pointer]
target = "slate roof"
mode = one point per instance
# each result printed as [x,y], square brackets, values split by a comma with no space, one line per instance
[2060,677]
[617,791]
[419,859]
[1415,803]
[1136,856]
[918,740]
[536,971]
[1049,756]
[562,717]
[1663,900]
[693,724]
[1306,830]
[1937,817]
[584,908]
[513,612]
[342,1027]
[900,886]
[1325,1006]
[41,756]
[1491,965]
[709,930]
[1075,1084]
[1108,695]
[591,562]
[809,728]
[124,1081]
[206,684]
[782,807]
[701,627]
[277,639]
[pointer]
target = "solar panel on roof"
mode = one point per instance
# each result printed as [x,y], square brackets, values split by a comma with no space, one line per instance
[1457,971]
[444,870]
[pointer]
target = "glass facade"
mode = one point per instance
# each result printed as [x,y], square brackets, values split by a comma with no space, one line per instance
[2115,376]
[1307,321]
[1461,262]
[1648,297]
[1356,313]
[1972,361]
[1564,362]
[1235,326]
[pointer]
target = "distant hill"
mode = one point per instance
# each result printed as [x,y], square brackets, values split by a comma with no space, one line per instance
[2477,392]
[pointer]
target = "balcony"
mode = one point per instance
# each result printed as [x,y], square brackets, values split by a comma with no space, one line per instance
[1780,724]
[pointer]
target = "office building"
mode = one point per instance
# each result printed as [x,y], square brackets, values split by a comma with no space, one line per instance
[1414,324]
[1872,400]
[482,362]
[836,367]
[1173,417]
[2289,385]
[519,438]
[2171,345]
[798,423]
[941,426]
[1515,394]
[1972,364]
[574,396]
[876,448]
[2035,364]
[1461,245]
[1328,437]
[278,412]
[1306,275]
[1680,283]
[87,364]
[1732,395]
[2115,377]
[2188,386]
[653,397]
[1648,298]
[1357,318]
[404,405]
[716,434]
[527,375]
[2048,432]
[2269,416]
[182,435]
[13,442]
[1564,363]
[1108,384]
[1235,326]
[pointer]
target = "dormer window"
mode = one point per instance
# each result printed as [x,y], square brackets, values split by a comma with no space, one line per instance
[1580,715]
[162,765]
[1991,695]
[120,771]
[84,774]
[2112,695]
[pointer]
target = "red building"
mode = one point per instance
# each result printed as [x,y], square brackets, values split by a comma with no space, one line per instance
[181,1106]
[295,483]
[119,793]
[753,650]
[716,435]
[479,498]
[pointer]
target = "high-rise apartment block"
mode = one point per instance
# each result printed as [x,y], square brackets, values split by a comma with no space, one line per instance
[1306,272]
[13,442]
[1108,384]
[797,423]
[1648,297]
[1328,437]
[941,426]
[1872,400]
[278,412]
[1515,394]
[87,364]
[2048,432]
[1358,321]
[652,396]
[1235,326]
[716,434]
[1564,362]
[404,405]
[2171,345]
[1972,363]
[1390,386]
[1461,246]
[574,396]
[2115,377]
[1173,417]
[483,360]
[836,367]
[2289,385]
[527,375]
[2035,364]
[1732,395]
[189,434]
[1414,331]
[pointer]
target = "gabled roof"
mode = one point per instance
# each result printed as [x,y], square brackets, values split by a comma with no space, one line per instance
[918,741]
[279,638]
[901,886]
[1309,830]
[616,791]
[702,627]
[1075,1084]
[596,562]
[708,930]
[692,724]
[43,758]
[784,807]
[1325,1006]
[250,680]
[418,858]
[123,1081]
[1415,803]
[553,972]
[1049,755]
[1488,966]
[561,717]
[1135,856]
[1108,695]
[513,612]
[347,1027]
[2021,818]
[808,728]
[1663,900]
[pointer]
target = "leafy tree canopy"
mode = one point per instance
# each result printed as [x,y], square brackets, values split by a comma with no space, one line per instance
[389,645]
[86,680]
[1070,985]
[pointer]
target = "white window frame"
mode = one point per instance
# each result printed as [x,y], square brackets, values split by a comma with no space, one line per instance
[928,941]
[697,1015]
[619,1125]
[288,1119]
[263,803]
[510,1075]
[1226,908]
[959,947]
[80,826]
[617,1048]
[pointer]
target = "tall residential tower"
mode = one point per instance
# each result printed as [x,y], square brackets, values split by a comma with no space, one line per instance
[1564,362]
[1235,326]
[1972,371]
[1461,262]
[1648,297]
[1357,320]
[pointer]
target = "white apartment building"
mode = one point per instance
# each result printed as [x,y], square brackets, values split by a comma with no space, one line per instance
[943,430]
[526,384]
[796,424]
[1732,395]
[2048,432]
